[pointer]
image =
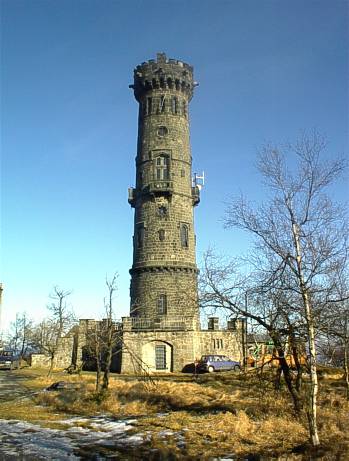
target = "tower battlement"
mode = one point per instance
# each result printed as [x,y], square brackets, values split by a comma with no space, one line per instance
[163,74]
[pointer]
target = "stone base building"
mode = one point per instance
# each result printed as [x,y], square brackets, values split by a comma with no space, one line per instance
[154,347]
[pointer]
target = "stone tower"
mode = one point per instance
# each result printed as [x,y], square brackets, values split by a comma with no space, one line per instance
[163,331]
[164,271]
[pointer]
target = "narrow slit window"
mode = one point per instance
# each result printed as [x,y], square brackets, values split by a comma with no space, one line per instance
[184,236]
[149,106]
[184,108]
[174,105]
[140,236]
[162,104]
[162,304]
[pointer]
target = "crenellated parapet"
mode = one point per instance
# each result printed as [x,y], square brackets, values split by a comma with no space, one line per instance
[163,74]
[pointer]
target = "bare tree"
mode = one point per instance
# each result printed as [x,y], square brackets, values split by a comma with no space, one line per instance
[110,333]
[104,340]
[300,237]
[48,335]
[20,330]
[222,286]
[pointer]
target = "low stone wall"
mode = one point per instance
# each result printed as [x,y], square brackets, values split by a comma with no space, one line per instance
[39,361]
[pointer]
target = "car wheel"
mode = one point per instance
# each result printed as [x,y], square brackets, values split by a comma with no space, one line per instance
[236,368]
[210,369]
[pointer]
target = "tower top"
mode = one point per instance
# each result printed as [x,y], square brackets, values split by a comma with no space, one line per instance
[163,73]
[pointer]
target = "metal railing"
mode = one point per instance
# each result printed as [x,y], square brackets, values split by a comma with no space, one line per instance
[173,323]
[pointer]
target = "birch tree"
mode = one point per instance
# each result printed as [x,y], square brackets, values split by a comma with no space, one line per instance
[299,233]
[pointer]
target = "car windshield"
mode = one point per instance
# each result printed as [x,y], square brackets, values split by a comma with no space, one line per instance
[7,353]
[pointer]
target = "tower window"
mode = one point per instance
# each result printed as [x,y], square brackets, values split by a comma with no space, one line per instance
[162,168]
[162,211]
[140,236]
[174,103]
[162,104]
[162,131]
[162,234]
[184,108]
[160,357]
[162,304]
[149,106]
[184,235]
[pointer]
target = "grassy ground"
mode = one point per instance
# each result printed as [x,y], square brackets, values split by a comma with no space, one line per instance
[211,416]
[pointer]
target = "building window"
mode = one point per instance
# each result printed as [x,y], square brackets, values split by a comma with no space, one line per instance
[162,168]
[140,236]
[217,343]
[162,304]
[182,173]
[184,236]
[161,234]
[160,357]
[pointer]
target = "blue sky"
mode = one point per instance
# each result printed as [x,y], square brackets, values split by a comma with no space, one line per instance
[267,70]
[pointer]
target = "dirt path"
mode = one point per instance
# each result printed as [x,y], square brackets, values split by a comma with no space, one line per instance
[10,386]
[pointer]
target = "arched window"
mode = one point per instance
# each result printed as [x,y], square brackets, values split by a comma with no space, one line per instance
[161,234]
[184,235]
[162,169]
[162,304]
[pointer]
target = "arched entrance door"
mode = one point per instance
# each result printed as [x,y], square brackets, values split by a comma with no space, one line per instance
[158,356]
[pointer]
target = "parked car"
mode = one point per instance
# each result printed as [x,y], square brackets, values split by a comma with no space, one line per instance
[9,360]
[213,363]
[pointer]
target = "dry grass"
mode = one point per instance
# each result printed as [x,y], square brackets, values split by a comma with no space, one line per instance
[213,416]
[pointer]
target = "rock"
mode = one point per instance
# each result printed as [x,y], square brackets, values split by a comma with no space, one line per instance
[63,385]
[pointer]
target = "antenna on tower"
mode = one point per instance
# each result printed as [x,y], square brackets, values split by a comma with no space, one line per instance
[198,180]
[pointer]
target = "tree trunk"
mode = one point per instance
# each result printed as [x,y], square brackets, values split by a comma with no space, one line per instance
[285,369]
[314,387]
[51,365]
[109,355]
[346,353]
[297,363]
[98,367]
[277,382]
[346,365]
